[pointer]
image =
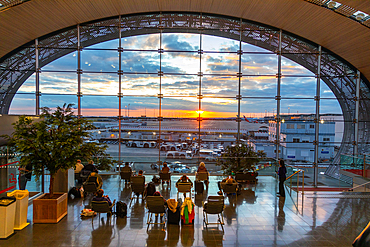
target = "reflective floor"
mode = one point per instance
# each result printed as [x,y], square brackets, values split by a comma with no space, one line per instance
[256,218]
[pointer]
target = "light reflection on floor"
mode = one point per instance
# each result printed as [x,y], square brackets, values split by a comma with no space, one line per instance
[256,218]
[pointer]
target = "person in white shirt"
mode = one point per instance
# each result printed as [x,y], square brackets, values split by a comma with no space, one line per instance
[79,166]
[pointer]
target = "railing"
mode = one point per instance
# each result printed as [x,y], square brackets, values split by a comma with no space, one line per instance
[296,173]
[357,188]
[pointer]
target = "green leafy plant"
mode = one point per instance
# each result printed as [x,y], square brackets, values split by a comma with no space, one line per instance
[239,157]
[54,142]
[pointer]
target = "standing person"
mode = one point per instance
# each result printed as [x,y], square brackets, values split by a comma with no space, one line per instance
[282,177]
[25,173]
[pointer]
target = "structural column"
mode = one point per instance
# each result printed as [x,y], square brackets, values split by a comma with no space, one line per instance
[278,98]
[160,95]
[79,72]
[37,70]
[317,120]
[239,96]
[200,96]
[120,72]
[355,121]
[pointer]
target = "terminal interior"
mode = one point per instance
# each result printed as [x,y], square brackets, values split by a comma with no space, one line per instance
[182,82]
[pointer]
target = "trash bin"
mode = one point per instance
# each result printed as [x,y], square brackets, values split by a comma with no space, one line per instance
[21,208]
[7,213]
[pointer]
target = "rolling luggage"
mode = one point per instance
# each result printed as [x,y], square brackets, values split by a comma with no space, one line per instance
[199,187]
[121,209]
[174,218]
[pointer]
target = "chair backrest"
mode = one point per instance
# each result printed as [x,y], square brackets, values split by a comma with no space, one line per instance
[100,206]
[165,176]
[215,204]
[92,179]
[202,176]
[239,176]
[126,175]
[229,188]
[90,187]
[138,184]
[184,187]
[155,204]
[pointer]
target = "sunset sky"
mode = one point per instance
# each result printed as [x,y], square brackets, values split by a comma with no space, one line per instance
[180,63]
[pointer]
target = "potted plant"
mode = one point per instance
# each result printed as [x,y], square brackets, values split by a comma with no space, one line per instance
[240,160]
[53,142]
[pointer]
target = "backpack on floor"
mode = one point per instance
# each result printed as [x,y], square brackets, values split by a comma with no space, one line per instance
[74,193]
[121,209]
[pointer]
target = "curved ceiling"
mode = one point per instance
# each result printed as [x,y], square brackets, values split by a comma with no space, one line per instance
[344,36]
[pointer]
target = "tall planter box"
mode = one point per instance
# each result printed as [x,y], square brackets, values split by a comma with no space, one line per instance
[50,210]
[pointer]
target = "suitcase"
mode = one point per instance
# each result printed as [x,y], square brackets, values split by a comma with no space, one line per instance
[199,187]
[174,218]
[191,218]
[121,209]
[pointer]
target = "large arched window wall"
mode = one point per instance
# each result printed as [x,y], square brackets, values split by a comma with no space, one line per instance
[191,71]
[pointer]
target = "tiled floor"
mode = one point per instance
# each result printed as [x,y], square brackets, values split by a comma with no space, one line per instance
[257,218]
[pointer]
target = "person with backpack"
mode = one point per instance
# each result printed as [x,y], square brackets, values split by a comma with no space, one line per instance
[96,178]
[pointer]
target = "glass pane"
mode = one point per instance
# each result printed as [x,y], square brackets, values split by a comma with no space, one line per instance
[180,42]
[99,84]
[259,64]
[182,85]
[29,86]
[23,104]
[58,82]
[99,61]
[330,110]
[140,62]
[220,86]
[111,44]
[180,62]
[99,105]
[325,91]
[179,107]
[67,62]
[213,43]
[220,63]
[141,42]
[52,101]
[140,84]
[297,106]
[259,86]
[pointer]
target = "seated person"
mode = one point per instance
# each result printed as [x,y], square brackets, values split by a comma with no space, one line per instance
[126,168]
[79,166]
[90,167]
[96,178]
[99,197]
[228,180]
[140,174]
[157,193]
[184,179]
[165,169]
[202,168]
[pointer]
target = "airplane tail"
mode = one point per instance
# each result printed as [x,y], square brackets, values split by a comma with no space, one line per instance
[246,119]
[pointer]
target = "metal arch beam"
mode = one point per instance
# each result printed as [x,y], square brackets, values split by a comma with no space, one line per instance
[335,73]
